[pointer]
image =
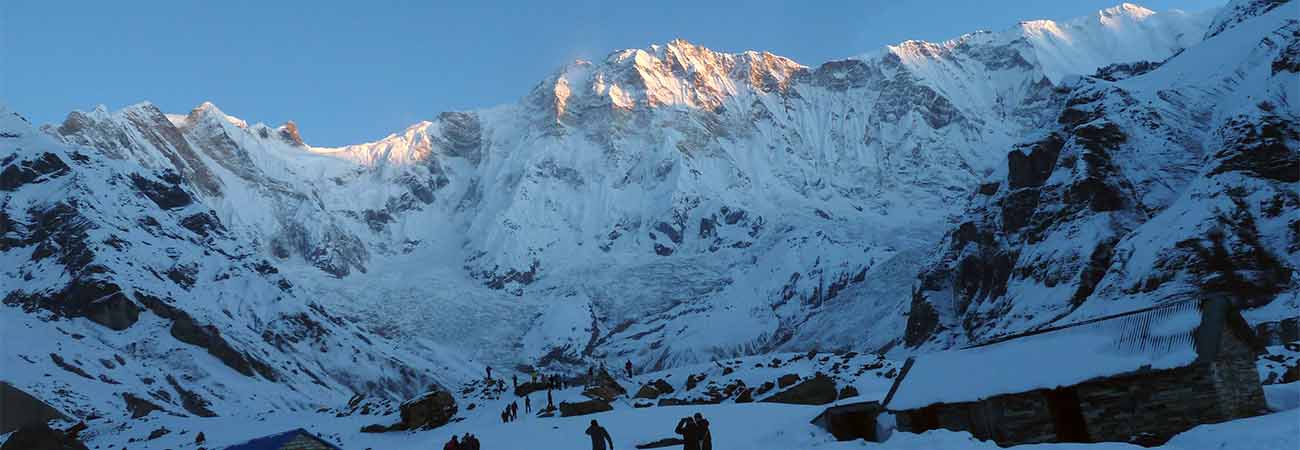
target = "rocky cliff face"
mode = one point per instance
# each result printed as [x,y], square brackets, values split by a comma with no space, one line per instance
[1175,182]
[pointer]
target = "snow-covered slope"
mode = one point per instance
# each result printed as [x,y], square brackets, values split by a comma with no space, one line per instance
[667,205]
[1179,182]
[125,292]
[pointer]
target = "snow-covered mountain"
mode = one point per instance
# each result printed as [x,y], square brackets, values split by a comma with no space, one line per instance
[666,205]
[1170,181]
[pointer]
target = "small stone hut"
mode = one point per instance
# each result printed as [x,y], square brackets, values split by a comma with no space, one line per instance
[296,439]
[1140,376]
[851,421]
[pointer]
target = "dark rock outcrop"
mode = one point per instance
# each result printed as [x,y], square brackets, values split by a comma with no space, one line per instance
[19,409]
[98,300]
[41,437]
[787,380]
[529,387]
[604,388]
[190,400]
[185,329]
[157,433]
[19,173]
[818,390]
[167,194]
[654,389]
[138,407]
[584,407]
[430,410]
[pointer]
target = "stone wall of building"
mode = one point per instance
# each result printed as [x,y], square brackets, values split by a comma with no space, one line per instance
[1015,418]
[1158,405]
[1021,418]
[1146,408]
[1236,379]
[1149,407]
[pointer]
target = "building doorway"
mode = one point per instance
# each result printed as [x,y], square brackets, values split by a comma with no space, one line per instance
[1068,415]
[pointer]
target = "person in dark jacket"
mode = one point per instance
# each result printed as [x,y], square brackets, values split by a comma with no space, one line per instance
[599,437]
[469,442]
[528,404]
[628,366]
[690,433]
[702,426]
[453,444]
[515,378]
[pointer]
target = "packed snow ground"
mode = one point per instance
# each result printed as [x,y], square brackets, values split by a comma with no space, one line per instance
[757,426]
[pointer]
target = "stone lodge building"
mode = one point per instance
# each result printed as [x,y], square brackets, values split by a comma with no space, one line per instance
[1140,376]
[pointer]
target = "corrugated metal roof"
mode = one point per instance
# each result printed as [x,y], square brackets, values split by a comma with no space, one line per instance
[278,441]
[1160,337]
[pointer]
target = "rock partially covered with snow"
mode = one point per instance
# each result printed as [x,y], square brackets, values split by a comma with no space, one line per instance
[582,408]
[21,409]
[818,390]
[430,410]
[654,389]
[604,387]
[41,436]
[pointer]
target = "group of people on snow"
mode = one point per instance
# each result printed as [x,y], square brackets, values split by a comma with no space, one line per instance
[551,381]
[468,442]
[695,433]
[694,430]
[511,413]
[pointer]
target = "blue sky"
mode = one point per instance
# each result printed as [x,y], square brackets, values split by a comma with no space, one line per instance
[350,72]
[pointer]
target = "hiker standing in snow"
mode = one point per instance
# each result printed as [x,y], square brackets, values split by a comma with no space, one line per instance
[702,426]
[515,379]
[514,410]
[628,366]
[690,432]
[549,402]
[528,404]
[489,372]
[453,444]
[599,437]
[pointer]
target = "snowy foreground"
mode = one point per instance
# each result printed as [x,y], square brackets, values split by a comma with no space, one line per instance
[735,426]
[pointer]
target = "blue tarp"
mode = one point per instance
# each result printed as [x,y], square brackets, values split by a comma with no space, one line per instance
[276,441]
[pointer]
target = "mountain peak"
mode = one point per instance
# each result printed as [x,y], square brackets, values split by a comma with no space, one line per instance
[209,112]
[1126,9]
[289,132]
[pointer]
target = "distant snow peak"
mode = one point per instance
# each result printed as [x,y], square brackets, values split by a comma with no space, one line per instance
[1125,33]
[1126,10]
[207,111]
[678,73]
